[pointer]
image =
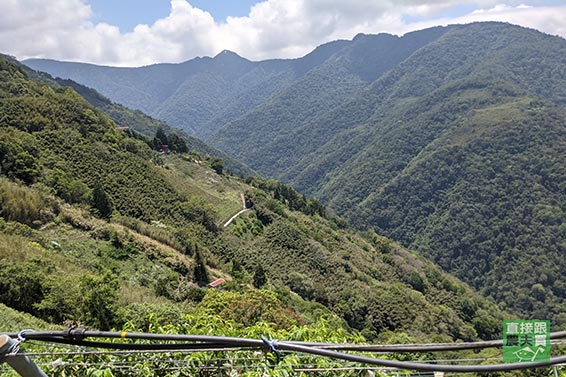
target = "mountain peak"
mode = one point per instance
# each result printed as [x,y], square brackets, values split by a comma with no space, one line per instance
[227,54]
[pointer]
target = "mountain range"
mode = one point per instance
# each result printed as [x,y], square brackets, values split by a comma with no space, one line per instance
[100,229]
[449,140]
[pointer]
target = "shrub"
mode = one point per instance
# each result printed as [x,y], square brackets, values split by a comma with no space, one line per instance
[70,190]
[20,203]
[22,285]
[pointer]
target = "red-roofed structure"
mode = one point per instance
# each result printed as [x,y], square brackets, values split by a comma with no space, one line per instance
[216,282]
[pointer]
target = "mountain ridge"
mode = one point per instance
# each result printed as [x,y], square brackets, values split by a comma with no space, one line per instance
[382,154]
[160,96]
[105,230]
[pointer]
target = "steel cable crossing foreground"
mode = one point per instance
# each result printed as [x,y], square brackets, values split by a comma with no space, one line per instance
[77,336]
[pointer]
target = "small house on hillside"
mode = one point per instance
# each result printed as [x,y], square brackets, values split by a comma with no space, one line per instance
[216,283]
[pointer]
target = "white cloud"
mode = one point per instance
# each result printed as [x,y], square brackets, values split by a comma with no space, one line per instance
[35,26]
[63,29]
[550,20]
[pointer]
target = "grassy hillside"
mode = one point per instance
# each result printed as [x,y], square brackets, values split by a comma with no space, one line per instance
[94,223]
[446,140]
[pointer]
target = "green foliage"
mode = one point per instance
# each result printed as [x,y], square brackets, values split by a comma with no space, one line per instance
[286,195]
[21,285]
[69,189]
[172,142]
[99,294]
[199,272]
[161,137]
[145,316]
[162,238]
[247,225]
[199,211]
[101,201]
[248,308]
[260,279]
[18,156]
[38,285]
[21,204]
[178,144]
[356,279]
[217,164]
[208,320]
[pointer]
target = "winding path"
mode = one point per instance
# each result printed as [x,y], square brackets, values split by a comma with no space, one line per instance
[244,210]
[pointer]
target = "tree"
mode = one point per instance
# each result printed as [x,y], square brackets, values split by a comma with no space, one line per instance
[21,285]
[98,298]
[161,136]
[160,139]
[201,275]
[16,161]
[260,279]
[26,167]
[217,164]
[71,190]
[177,144]
[101,201]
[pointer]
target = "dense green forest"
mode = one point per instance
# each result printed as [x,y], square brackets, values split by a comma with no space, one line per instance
[139,122]
[447,140]
[99,229]
[94,222]
[465,173]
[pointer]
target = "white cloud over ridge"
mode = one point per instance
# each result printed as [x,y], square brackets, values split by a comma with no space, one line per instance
[63,29]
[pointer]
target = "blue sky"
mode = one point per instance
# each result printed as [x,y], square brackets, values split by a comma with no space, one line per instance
[126,14]
[105,32]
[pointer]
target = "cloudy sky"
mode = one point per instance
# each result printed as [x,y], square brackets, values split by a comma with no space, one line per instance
[141,32]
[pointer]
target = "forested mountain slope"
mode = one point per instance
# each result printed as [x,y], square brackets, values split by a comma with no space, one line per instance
[198,96]
[448,140]
[277,134]
[461,121]
[202,95]
[139,122]
[94,223]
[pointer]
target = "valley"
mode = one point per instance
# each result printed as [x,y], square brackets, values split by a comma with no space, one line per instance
[409,136]
[385,189]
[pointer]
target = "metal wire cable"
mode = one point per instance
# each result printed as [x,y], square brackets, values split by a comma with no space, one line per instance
[74,336]
[123,353]
[421,366]
[77,336]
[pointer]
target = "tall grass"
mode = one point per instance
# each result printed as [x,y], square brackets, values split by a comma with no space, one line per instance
[20,203]
[154,231]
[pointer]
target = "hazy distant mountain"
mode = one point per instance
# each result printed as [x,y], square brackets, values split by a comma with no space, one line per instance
[197,96]
[294,122]
[450,140]
[139,122]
